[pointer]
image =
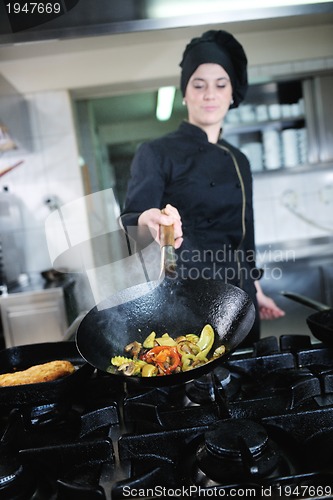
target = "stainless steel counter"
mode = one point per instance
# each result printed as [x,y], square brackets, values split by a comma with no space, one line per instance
[310,274]
[35,310]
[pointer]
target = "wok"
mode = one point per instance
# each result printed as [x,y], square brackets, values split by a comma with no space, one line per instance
[321,322]
[171,304]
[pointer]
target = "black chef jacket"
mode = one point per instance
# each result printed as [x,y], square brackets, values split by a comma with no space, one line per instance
[200,179]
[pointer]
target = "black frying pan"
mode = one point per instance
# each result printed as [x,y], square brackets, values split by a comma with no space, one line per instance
[174,305]
[321,322]
[22,357]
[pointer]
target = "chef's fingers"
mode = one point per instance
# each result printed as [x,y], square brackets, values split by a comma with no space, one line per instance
[172,211]
[154,217]
[150,217]
[271,313]
[170,215]
[178,241]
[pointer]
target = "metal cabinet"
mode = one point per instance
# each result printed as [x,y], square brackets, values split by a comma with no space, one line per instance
[285,124]
[270,126]
[33,317]
[319,101]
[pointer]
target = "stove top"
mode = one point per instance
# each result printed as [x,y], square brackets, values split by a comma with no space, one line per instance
[260,425]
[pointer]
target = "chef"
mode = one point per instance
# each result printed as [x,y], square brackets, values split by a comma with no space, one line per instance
[203,183]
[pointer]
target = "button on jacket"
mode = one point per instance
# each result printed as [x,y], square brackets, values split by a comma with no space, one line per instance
[200,179]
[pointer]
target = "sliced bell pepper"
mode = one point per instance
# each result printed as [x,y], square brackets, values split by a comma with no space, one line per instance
[149,342]
[166,358]
[206,340]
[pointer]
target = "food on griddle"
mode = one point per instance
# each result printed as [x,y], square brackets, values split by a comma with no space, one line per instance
[164,355]
[45,372]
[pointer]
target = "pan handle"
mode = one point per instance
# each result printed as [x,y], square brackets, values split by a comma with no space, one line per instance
[305,301]
[167,236]
[168,256]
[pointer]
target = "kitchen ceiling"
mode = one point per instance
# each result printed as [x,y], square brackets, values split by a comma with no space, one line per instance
[78,18]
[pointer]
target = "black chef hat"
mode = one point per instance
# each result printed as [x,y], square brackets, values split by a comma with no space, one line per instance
[221,48]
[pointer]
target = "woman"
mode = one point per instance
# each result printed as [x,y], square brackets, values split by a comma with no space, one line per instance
[204,183]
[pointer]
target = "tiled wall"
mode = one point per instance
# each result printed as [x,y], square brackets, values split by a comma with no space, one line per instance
[49,170]
[293,206]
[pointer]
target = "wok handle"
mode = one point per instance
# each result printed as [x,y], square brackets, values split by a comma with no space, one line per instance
[306,301]
[167,236]
[168,256]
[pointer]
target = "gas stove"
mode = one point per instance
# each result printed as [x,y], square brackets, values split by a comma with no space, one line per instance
[259,425]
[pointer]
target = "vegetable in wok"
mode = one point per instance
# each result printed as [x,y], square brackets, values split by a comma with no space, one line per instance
[164,355]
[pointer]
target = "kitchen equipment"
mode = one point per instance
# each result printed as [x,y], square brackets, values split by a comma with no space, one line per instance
[262,112]
[247,113]
[290,150]
[302,144]
[5,171]
[321,322]
[174,305]
[274,111]
[51,275]
[12,236]
[6,142]
[254,152]
[259,426]
[34,315]
[22,357]
[272,149]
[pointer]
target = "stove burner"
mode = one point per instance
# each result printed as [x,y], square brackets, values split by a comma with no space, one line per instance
[27,484]
[47,442]
[202,390]
[227,439]
[46,414]
[234,449]
[263,419]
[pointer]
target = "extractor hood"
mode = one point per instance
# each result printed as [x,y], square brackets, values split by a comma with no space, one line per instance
[64,19]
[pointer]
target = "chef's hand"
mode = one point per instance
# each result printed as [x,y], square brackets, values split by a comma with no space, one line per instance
[153,218]
[267,307]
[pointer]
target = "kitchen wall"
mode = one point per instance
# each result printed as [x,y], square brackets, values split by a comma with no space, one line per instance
[293,209]
[49,174]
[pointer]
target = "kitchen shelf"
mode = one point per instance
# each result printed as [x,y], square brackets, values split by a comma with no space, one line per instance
[308,167]
[245,128]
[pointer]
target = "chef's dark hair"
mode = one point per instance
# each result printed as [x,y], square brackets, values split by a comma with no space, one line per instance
[221,48]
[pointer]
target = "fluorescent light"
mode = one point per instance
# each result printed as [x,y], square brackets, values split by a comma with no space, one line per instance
[165,99]
[173,8]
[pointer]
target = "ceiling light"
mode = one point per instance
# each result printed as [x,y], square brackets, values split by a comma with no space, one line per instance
[173,8]
[165,100]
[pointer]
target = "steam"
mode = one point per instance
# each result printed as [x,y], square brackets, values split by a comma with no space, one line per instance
[84,236]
